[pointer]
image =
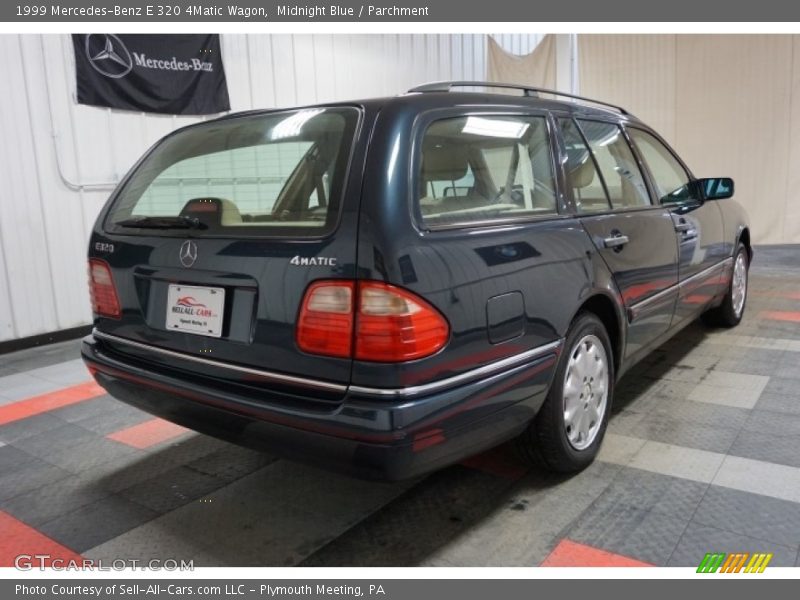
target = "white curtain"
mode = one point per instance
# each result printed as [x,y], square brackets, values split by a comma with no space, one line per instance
[537,69]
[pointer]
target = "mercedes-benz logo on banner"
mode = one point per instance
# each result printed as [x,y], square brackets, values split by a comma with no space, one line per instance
[108,55]
[188,253]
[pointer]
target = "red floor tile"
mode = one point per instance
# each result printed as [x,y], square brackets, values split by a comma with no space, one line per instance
[147,434]
[47,402]
[18,538]
[780,315]
[573,554]
[500,461]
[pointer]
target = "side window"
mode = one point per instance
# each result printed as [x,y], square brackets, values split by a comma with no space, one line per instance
[669,177]
[621,174]
[477,168]
[582,176]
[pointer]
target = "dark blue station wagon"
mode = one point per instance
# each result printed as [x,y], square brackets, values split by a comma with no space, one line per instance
[386,287]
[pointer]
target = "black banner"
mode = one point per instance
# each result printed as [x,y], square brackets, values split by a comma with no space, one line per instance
[172,74]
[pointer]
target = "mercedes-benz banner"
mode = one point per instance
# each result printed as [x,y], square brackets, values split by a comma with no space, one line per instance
[172,74]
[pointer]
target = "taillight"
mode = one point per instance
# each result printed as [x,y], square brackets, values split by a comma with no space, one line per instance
[102,291]
[325,325]
[370,321]
[394,325]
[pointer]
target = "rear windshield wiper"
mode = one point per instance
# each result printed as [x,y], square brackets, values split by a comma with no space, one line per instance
[180,222]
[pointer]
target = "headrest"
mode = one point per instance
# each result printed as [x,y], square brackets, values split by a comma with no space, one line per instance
[444,162]
[230,213]
[213,211]
[581,168]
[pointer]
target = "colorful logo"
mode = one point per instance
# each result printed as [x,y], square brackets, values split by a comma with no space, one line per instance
[714,562]
[190,302]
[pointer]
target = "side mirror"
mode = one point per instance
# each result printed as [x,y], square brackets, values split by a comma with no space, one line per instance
[715,188]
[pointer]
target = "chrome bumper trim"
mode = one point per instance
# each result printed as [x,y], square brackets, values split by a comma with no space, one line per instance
[266,375]
[494,368]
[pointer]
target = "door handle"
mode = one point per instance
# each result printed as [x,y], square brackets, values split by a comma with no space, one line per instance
[616,241]
[687,231]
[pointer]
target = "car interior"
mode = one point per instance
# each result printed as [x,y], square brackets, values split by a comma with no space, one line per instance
[473,178]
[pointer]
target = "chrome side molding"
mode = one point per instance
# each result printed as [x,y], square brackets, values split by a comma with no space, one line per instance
[471,375]
[635,308]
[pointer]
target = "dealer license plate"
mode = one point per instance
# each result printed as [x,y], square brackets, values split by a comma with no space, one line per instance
[195,309]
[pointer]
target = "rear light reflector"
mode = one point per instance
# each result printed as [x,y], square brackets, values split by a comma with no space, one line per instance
[325,325]
[102,291]
[369,321]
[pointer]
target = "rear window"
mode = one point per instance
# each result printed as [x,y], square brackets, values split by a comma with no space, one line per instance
[485,168]
[279,174]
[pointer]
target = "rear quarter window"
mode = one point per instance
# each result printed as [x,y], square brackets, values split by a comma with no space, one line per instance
[265,175]
[476,169]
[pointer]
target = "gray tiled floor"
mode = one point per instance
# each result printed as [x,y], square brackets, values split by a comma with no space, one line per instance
[647,535]
[17,431]
[40,371]
[701,456]
[780,449]
[752,515]
[654,492]
[92,524]
[22,385]
[41,356]
[54,499]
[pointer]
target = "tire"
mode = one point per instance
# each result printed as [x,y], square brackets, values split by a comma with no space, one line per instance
[554,439]
[730,312]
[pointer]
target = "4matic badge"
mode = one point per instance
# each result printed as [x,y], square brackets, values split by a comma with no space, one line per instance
[313,261]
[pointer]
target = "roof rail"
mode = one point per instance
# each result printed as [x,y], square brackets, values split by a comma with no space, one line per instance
[446,86]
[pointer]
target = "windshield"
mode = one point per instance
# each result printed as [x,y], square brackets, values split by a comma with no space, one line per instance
[265,175]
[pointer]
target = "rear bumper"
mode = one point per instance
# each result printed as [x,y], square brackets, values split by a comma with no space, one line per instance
[376,438]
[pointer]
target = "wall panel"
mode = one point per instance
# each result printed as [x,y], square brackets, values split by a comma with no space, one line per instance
[636,71]
[733,113]
[730,104]
[22,227]
[791,211]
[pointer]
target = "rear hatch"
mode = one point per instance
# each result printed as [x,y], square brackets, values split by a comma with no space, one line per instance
[214,237]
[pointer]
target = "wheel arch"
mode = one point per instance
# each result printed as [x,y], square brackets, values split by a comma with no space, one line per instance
[744,238]
[605,308]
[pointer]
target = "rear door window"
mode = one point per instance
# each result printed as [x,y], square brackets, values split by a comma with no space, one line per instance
[588,189]
[485,168]
[621,174]
[276,174]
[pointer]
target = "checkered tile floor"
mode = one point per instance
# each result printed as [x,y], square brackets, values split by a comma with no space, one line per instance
[702,455]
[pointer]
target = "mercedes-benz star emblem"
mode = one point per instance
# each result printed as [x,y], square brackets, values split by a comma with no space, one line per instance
[188,253]
[108,55]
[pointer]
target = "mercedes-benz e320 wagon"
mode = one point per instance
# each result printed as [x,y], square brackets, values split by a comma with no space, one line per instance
[388,286]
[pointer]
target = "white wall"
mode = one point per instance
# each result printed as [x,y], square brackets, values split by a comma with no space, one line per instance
[59,160]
